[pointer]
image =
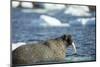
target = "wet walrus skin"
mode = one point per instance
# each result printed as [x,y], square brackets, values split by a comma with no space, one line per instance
[51,50]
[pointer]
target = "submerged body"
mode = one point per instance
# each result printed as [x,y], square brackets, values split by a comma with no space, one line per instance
[51,50]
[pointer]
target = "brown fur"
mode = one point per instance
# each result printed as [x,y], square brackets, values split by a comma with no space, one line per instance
[51,50]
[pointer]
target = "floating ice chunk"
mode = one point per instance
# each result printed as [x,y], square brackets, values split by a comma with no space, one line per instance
[16,45]
[52,21]
[27,5]
[84,21]
[77,10]
[54,6]
[15,4]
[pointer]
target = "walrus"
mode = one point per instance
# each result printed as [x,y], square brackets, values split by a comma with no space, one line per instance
[53,50]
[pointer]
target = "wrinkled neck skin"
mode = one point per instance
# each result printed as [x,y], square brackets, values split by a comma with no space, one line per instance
[58,47]
[60,44]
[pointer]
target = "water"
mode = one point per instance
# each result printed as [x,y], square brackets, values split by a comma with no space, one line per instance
[26,28]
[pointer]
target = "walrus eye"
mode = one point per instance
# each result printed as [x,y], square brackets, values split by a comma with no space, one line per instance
[64,37]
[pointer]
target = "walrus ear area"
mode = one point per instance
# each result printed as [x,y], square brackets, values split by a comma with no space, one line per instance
[67,38]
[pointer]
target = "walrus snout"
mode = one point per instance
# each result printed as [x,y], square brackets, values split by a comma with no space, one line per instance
[67,39]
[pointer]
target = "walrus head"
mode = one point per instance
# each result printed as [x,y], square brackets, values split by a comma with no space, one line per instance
[69,42]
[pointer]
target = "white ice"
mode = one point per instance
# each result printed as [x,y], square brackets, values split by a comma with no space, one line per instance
[15,4]
[84,21]
[76,10]
[52,21]
[16,45]
[27,5]
[54,6]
